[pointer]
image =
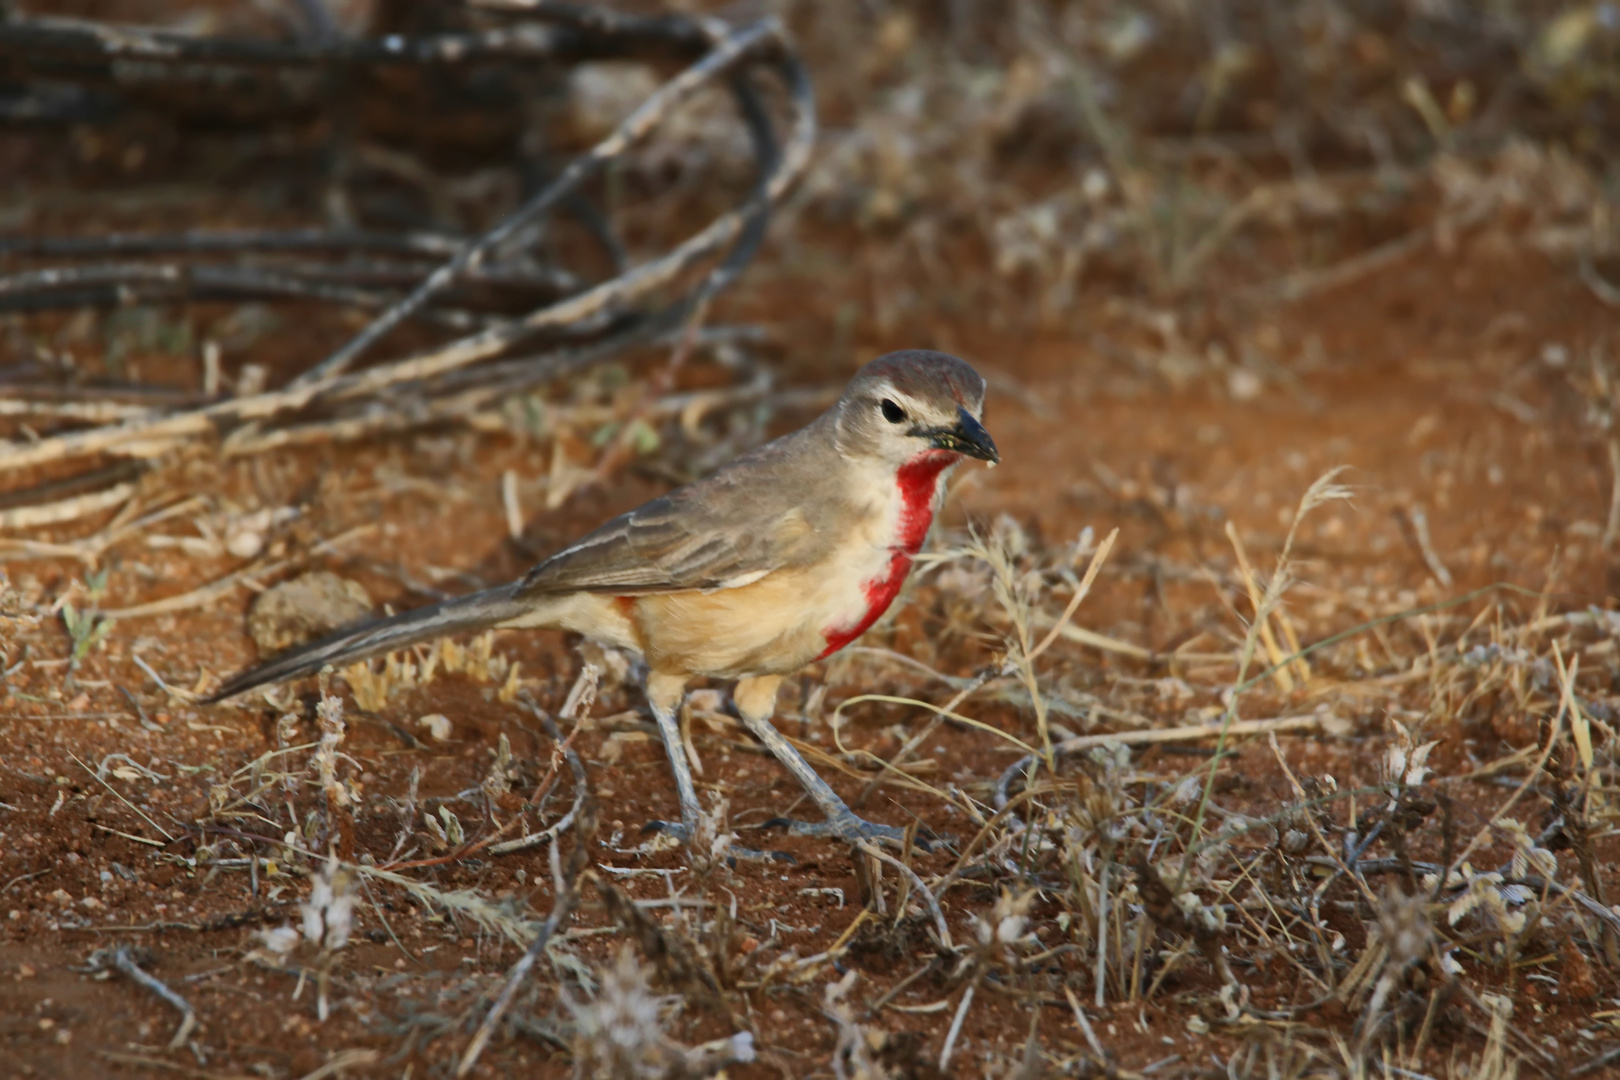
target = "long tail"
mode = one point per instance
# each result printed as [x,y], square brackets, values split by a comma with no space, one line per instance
[474,612]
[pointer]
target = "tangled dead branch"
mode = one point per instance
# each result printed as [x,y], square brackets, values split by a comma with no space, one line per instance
[473,282]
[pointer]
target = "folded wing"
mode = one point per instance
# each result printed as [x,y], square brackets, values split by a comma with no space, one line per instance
[725,531]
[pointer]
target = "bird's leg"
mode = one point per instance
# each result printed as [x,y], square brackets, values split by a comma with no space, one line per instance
[756,701]
[669,729]
[664,694]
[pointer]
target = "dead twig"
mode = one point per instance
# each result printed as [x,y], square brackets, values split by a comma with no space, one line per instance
[872,851]
[343,1061]
[1608,1057]
[635,127]
[62,38]
[142,1061]
[1188,733]
[576,708]
[233,241]
[1419,520]
[223,586]
[122,960]
[202,596]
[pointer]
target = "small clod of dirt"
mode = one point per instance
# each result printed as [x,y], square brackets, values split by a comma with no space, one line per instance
[305,608]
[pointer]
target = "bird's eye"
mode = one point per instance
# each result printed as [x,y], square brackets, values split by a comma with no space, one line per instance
[892,412]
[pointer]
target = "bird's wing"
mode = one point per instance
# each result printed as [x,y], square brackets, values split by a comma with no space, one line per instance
[725,531]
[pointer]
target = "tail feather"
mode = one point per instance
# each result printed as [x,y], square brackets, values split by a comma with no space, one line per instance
[474,612]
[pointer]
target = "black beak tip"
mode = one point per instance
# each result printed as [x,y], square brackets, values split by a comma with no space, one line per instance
[974,440]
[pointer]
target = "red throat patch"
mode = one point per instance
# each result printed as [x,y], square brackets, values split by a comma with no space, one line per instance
[918,480]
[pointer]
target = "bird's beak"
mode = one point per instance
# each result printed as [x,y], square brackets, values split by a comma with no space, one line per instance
[967,436]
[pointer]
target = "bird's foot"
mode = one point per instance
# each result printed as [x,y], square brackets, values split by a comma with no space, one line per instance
[733,852]
[852,830]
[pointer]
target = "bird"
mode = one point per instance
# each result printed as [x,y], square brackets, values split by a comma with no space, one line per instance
[774,561]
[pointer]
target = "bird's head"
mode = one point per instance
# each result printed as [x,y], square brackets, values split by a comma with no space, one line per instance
[908,404]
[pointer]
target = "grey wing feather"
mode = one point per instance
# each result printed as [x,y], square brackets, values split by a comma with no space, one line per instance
[727,529]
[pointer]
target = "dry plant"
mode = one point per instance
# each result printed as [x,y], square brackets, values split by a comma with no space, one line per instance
[318,804]
[621,1032]
[1144,146]
[1128,884]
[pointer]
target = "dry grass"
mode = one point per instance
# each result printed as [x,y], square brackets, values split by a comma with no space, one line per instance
[1087,876]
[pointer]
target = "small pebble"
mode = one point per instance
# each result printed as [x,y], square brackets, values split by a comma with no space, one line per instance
[244,543]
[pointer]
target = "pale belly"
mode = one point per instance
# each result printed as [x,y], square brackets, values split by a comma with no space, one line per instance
[773,627]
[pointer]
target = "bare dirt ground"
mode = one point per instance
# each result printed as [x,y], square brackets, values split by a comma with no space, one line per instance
[1136,908]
